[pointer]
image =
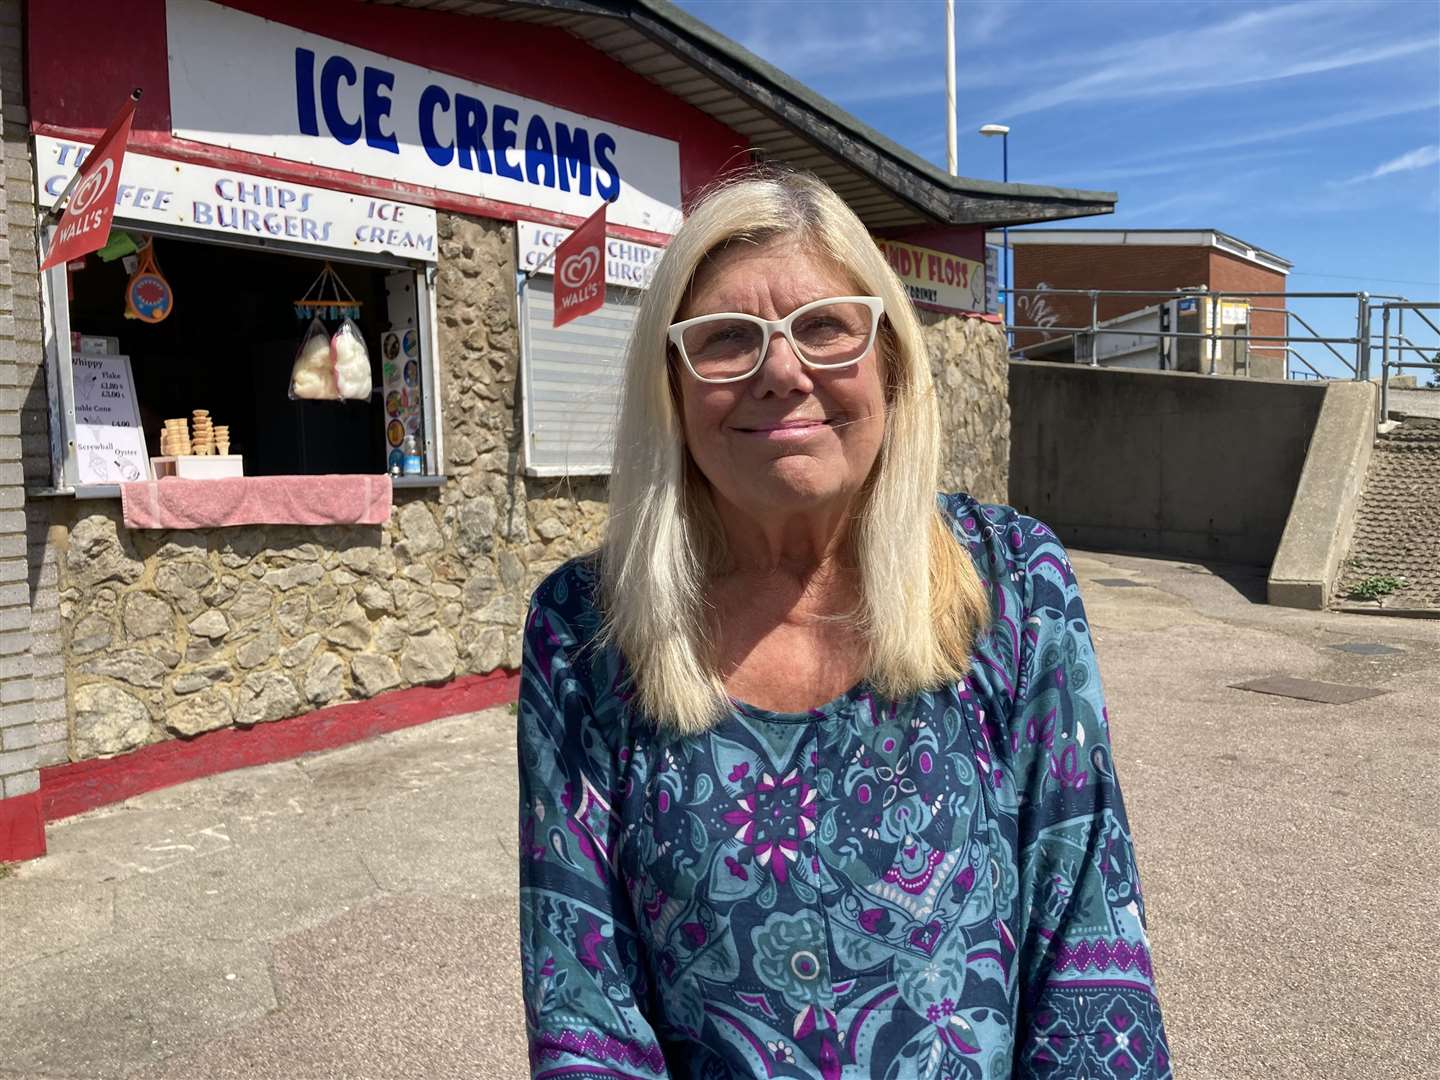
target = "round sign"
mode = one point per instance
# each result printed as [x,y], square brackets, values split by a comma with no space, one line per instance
[149,297]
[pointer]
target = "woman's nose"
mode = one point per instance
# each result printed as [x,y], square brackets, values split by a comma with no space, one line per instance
[781,372]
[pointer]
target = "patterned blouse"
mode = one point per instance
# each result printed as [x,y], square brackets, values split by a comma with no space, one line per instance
[929,889]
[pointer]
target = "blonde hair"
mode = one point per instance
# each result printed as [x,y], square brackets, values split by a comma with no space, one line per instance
[922,603]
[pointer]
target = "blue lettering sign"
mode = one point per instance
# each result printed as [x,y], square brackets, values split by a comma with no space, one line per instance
[432,98]
[572,151]
[465,132]
[336,70]
[505,138]
[470,121]
[378,85]
[539,153]
[609,188]
[305,91]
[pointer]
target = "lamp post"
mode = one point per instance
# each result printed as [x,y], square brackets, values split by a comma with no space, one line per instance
[950,85]
[1004,133]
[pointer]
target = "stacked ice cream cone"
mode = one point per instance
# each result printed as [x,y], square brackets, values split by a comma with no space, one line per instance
[175,438]
[197,437]
[202,439]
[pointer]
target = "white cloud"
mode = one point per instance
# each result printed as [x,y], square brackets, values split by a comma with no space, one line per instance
[1308,127]
[1420,158]
[1282,42]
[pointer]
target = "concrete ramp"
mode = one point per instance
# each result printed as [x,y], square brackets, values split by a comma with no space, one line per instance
[1397,526]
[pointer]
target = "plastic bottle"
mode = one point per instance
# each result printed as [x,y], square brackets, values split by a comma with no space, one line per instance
[413,464]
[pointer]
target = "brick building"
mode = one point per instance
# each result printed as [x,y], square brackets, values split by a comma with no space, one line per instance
[1164,259]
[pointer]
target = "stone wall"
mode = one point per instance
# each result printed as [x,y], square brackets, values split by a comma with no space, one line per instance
[970,365]
[174,634]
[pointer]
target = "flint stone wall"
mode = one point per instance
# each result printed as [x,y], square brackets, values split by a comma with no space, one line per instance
[970,365]
[175,634]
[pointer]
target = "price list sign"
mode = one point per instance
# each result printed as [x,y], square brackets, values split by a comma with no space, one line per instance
[109,443]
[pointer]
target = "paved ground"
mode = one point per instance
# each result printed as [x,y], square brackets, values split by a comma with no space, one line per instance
[351,914]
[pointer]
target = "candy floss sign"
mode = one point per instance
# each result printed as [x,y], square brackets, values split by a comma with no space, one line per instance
[165,192]
[937,278]
[247,83]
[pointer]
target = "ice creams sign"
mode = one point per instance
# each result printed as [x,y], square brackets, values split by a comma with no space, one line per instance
[253,84]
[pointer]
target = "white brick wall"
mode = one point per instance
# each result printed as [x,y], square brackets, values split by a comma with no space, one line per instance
[21,733]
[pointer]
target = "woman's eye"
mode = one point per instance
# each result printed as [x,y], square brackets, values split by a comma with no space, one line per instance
[820,327]
[729,337]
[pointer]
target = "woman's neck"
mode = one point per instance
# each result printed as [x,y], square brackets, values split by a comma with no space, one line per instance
[810,545]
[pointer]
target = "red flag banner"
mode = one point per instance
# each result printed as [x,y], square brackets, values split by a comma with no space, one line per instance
[85,225]
[580,270]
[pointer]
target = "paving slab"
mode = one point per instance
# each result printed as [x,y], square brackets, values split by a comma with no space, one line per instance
[364,899]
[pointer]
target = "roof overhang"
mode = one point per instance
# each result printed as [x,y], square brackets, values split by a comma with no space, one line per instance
[1212,238]
[785,122]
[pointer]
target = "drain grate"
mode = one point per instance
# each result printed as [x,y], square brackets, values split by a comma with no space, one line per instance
[1119,583]
[1326,693]
[1367,648]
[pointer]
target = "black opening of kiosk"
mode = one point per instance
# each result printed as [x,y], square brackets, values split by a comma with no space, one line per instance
[228,346]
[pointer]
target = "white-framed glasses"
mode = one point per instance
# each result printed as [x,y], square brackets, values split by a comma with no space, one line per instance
[825,334]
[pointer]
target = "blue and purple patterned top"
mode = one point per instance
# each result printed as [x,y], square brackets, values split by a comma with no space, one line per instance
[937,888]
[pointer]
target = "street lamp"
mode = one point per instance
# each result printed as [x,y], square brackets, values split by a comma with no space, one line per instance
[1004,133]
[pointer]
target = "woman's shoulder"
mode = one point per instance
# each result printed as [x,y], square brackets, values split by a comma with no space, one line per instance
[573,585]
[1003,542]
[567,603]
[565,651]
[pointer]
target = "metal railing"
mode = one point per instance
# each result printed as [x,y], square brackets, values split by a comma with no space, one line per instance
[1402,345]
[1377,320]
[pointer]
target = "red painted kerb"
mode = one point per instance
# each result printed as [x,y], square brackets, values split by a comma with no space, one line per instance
[83,785]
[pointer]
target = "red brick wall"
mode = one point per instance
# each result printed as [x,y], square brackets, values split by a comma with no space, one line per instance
[1085,266]
[1092,266]
[1229,273]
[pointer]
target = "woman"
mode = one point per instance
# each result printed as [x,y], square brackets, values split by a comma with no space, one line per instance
[815,773]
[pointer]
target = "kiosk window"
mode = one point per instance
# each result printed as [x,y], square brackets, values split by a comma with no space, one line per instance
[230,341]
[571,381]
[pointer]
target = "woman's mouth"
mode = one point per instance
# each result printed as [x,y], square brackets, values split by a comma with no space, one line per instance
[785,429]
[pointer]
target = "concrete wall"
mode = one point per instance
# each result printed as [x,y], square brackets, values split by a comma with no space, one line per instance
[1189,465]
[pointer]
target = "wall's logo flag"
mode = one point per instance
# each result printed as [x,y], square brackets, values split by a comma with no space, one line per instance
[85,224]
[580,270]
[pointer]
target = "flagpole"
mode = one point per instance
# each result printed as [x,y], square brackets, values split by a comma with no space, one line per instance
[58,207]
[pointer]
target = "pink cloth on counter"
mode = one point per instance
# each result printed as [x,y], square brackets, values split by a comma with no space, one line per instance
[173,503]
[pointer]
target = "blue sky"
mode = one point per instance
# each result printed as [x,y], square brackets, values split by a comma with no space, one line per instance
[1309,129]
